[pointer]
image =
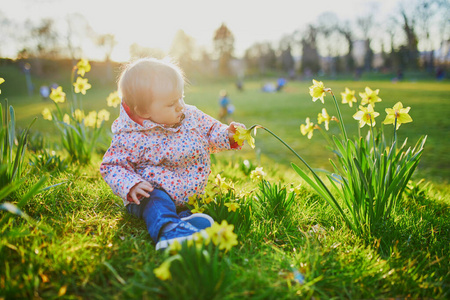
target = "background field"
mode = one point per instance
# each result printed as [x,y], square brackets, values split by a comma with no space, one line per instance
[280,112]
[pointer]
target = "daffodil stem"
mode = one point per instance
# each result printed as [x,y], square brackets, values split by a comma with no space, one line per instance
[359,127]
[287,146]
[341,123]
[295,153]
[395,132]
[74,95]
[373,136]
[326,137]
[319,181]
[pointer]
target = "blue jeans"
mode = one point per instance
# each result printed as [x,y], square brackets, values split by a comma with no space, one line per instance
[157,210]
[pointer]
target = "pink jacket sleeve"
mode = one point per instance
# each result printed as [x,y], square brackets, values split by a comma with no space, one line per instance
[214,131]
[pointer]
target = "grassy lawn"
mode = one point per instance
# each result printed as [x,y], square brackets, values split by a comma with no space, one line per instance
[84,245]
[81,244]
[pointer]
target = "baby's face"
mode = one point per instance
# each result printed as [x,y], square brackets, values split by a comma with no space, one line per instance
[167,107]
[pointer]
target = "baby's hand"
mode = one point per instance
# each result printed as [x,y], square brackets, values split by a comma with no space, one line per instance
[139,191]
[232,129]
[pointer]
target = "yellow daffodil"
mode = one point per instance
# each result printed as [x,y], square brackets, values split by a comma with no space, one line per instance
[228,238]
[174,247]
[370,97]
[103,115]
[218,179]
[91,119]
[197,209]
[163,271]
[296,189]
[232,206]
[399,113]
[66,119]
[223,184]
[192,200]
[222,235]
[348,97]
[208,199]
[197,240]
[318,90]
[83,67]
[307,129]
[257,174]
[57,95]
[213,233]
[324,117]
[113,99]
[78,115]
[242,135]
[1,81]
[47,114]
[366,116]
[81,85]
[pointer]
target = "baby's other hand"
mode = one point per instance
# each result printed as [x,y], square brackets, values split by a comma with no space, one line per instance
[139,191]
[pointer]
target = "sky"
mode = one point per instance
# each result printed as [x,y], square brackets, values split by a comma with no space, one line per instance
[154,23]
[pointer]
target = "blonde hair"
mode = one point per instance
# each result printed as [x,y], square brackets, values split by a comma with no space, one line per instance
[139,78]
[223,93]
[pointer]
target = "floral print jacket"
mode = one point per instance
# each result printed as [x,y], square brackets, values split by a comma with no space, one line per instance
[174,159]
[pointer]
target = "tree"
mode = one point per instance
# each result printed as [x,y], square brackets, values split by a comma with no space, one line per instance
[310,55]
[4,28]
[346,31]
[425,11]
[393,61]
[206,65]
[443,23]
[107,42]
[286,58]
[408,53]
[46,39]
[138,51]
[224,47]
[78,29]
[412,52]
[365,24]
[328,40]
[182,49]
[261,57]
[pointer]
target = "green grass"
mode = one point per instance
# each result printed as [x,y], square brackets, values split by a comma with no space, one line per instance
[84,244]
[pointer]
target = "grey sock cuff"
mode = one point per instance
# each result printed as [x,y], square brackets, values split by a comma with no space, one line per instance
[169,226]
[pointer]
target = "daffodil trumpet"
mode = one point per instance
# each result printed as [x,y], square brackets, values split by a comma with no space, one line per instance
[243,134]
[397,116]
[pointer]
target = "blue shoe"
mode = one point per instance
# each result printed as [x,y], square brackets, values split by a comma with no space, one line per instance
[199,220]
[180,232]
